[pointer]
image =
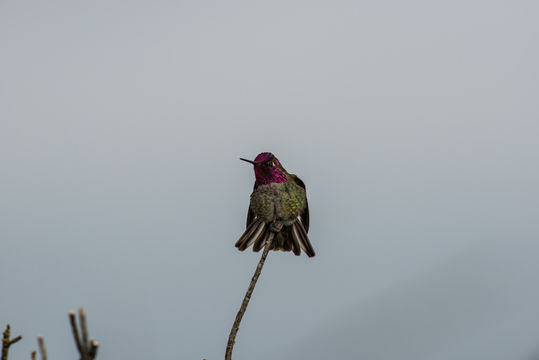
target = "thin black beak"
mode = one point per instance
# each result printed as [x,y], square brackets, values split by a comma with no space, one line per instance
[249,161]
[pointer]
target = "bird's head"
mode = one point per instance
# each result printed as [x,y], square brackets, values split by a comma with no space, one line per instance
[268,169]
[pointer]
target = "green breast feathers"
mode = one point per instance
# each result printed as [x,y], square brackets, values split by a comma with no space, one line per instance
[278,201]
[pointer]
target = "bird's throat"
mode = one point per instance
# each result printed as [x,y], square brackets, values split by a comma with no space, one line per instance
[269,175]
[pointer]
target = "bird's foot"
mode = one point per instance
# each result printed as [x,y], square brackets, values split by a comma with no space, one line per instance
[276,226]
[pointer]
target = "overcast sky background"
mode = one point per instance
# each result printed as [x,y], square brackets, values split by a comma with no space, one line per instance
[414,125]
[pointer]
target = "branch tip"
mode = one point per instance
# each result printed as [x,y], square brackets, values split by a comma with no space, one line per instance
[42,350]
[7,342]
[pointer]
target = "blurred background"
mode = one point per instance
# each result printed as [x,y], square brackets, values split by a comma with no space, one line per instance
[414,125]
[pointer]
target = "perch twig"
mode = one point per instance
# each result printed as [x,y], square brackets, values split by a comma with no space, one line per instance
[236,325]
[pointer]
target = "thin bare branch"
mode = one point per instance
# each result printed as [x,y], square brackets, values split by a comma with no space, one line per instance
[84,331]
[7,342]
[14,340]
[42,349]
[239,316]
[94,345]
[75,330]
[87,348]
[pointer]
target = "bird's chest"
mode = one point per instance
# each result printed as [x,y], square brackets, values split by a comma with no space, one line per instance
[283,201]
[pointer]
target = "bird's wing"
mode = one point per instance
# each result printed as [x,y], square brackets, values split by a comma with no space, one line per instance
[250,213]
[304,217]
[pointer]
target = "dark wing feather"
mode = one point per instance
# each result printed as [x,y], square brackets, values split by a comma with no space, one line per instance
[305,215]
[250,213]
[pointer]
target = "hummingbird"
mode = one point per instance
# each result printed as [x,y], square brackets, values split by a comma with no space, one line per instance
[278,205]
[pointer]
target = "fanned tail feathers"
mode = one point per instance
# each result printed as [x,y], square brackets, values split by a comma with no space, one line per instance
[291,238]
[251,234]
[303,239]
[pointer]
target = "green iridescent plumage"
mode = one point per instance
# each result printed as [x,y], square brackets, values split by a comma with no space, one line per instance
[284,201]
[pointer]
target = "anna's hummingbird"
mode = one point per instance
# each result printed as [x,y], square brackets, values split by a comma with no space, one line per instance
[279,205]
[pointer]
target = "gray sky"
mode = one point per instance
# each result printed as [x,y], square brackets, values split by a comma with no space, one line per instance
[414,125]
